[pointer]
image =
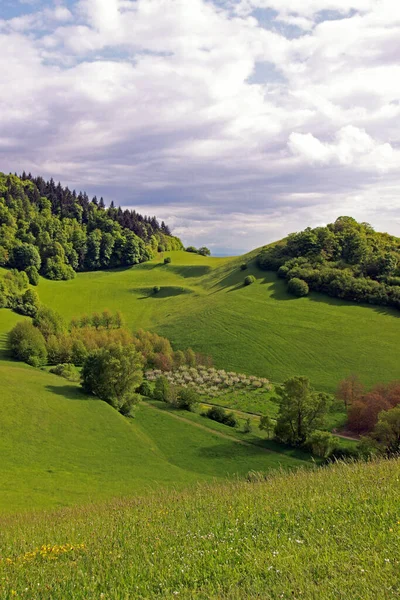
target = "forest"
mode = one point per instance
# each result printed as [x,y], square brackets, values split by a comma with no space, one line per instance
[345,259]
[48,229]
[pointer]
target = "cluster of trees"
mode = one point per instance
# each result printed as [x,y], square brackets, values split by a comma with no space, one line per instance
[16,294]
[218,414]
[364,406]
[203,251]
[177,396]
[49,340]
[375,414]
[345,259]
[47,229]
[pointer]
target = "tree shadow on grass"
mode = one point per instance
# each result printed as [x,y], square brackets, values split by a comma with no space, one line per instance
[190,270]
[69,392]
[165,292]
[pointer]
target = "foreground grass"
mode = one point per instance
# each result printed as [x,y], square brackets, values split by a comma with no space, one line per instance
[259,329]
[329,534]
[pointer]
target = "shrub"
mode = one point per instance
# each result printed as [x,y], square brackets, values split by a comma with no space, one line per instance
[247,428]
[145,389]
[33,275]
[49,322]
[298,287]
[66,370]
[191,249]
[28,303]
[187,398]
[156,289]
[167,260]
[27,344]
[249,280]
[321,443]
[126,408]
[112,374]
[216,413]
[243,266]
[161,389]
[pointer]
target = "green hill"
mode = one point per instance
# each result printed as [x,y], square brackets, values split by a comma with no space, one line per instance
[259,329]
[59,447]
[323,535]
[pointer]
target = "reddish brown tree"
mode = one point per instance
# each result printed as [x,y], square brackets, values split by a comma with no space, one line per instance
[349,390]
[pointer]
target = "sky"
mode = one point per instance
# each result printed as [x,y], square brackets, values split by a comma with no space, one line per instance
[235,121]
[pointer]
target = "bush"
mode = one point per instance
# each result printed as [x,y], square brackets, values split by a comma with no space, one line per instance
[249,280]
[27,344]
[298,287]
[156,289]
[167,260]
[28,303]
[66,370]
[187,398]
[145,389]
[247,428]
[33,275]
[243,266]
[216,413]
[161,389]
[321,443]
[126,408]
[191,249]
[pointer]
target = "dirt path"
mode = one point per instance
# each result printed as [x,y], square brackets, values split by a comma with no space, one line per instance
[217,433]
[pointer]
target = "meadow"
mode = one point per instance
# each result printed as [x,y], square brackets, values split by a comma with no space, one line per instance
[322,535]
[258,330]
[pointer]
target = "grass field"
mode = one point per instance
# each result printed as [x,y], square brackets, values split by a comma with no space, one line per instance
[325,535]
[258,329]
[59,447]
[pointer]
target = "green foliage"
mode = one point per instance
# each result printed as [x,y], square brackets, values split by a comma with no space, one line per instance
[162,389]
[59,232]
[156,289]
[346,259]
[113,374]
[27,344]
[33,275]
[145,389]
[266,424]
[247,428]
[204,251]
[243,266]
[386,434]
[249,280]
[187,398]
[301,411]
[23,256]
[28,304]
[167,260]
[321,443]
[298,287]
[216,413]
[49,322]
[66,370]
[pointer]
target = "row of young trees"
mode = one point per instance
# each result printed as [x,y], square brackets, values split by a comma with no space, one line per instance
[345,259]
[50,230]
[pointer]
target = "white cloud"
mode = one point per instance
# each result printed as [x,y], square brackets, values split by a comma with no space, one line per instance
[152,99]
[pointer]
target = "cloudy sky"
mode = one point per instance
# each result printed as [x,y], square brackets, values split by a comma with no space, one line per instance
[237,121]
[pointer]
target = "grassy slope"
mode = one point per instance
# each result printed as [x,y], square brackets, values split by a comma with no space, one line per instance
[326,535]
[59,447]
[259,329]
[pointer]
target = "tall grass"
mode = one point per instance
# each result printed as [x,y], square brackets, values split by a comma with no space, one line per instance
[327,535]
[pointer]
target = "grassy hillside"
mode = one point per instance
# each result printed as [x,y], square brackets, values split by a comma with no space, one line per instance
[258,329]
[323,535]
[59,447]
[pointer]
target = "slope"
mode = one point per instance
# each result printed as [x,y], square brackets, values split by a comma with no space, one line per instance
[60,447]
[259,329]
[324,535]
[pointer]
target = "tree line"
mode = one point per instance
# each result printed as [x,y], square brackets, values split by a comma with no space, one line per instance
[345,259]
[48,229]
